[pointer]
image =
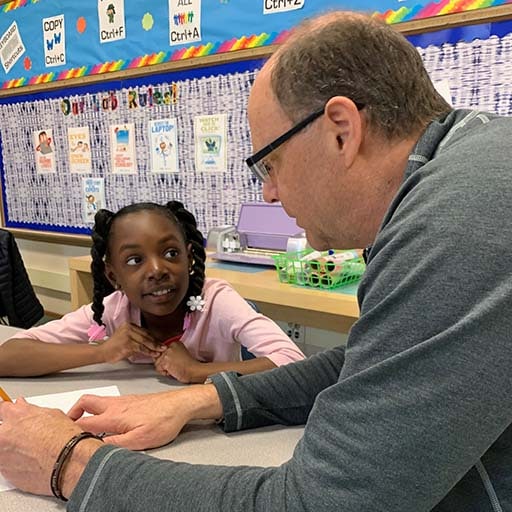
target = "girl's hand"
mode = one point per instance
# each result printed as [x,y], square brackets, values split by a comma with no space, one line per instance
[176,362]
[127,340]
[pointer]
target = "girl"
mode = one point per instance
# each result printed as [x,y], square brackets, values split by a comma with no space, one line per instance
[152,303]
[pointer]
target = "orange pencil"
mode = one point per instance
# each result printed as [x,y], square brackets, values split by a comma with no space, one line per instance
[4,396]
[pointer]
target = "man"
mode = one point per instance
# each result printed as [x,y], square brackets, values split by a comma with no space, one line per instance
[415,414]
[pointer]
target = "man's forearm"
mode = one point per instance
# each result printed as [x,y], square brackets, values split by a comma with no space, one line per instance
[201,402]
[75,465]
[117,479]
[204,402]
[284,395]
[204,370]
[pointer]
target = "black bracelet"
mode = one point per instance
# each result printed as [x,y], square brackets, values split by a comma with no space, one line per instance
[61,460]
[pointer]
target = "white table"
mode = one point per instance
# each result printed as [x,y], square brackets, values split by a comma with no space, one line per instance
[7,331]
[203,443]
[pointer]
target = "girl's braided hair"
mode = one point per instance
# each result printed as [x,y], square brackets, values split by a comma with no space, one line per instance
[173,210]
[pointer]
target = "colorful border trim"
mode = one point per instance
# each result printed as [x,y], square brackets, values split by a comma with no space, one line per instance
[15,4]
[437,9]
[243,43]
[403,14]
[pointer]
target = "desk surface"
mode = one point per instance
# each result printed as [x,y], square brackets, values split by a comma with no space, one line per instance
[202,443]
[334,310]
[6,332]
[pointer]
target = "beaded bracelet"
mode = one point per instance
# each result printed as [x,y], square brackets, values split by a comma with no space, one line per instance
[62,458]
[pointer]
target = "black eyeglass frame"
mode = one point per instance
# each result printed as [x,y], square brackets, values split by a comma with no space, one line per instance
[253,161]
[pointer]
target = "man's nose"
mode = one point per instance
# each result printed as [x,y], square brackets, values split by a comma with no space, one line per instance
[270,194]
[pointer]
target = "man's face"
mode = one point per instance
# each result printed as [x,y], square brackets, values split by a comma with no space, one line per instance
[306,173]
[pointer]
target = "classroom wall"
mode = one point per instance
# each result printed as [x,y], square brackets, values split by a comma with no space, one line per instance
[47,266]
[476,74]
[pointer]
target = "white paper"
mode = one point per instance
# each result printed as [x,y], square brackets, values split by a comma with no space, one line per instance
[43,150]
[111,20]
[64,402]
[79,149]
[93,198]
[443,88]
[184,21]
[164,142]
[11,47]
[122,147]
[210,143]
[272,6]
[54,40]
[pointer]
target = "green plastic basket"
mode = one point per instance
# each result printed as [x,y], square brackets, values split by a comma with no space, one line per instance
[322,272]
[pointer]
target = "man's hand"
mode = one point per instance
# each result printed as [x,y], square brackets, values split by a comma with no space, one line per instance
[31,439]
[139,422]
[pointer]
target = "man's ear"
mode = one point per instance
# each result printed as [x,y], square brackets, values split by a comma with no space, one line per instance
[347,126]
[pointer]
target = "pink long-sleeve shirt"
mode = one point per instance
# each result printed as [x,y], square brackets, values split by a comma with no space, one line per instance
[216,333]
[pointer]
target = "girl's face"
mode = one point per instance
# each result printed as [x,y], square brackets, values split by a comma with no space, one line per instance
[149,261]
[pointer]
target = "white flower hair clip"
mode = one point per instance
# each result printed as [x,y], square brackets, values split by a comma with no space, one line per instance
[196,303]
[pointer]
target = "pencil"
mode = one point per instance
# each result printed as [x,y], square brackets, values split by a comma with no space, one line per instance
[4,396]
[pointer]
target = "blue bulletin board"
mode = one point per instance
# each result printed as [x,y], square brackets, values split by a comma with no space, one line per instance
[38,127]
[44,41]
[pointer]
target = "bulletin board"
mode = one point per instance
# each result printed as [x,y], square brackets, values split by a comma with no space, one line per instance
[45,41]
[56,199]
[471,61]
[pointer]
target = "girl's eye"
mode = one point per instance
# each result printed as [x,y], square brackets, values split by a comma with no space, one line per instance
[171,253]
[133,260]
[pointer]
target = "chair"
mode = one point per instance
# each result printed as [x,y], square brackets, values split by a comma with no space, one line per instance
[18,301]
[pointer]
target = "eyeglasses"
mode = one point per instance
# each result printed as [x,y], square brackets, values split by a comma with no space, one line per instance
[256,163]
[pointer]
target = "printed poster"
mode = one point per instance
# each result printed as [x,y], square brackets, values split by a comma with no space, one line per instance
[79,143]
[54,40]
[271,6]
[44,151]
[443,88]
[122,142]
[112,25]
[184,21]
[93,197]
[164,143]
[210,143]
[11,47]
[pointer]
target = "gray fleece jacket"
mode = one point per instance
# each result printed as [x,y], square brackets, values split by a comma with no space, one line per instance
[414,415]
